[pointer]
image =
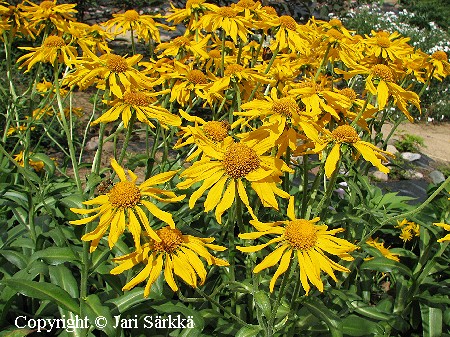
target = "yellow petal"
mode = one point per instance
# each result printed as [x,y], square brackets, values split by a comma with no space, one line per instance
[162,215]
[226,202]
[332,159]
[119,170]
[271,259]
[284,264]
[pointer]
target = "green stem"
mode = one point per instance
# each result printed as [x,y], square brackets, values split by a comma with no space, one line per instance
[127,137]
[305,186]
[133,45]
[220,306]
[269,65]
[325,57]
[326,197]
[222,62]
[361,112]
[270,324]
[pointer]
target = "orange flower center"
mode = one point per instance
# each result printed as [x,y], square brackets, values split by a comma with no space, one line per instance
[47,4]
[246,3]
[124,194]
[136,98]
[233,69]
[227,12]
[240,160]
[300,234]
[116,63]
[269,10]
[215,54]
[382,71]
[439,55]
[288,22]
[216,131]
[383,41]
[349,93]
[131,15]
[284,106]
[345,134]
[335,22]
[181,41]
[197,77]
[335,33]
[171,239]
[54,42]
[189,3]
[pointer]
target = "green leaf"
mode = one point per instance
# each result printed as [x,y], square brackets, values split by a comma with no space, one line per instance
[128,300]
[263,302]
[431,321]
[317,308]
[44,291]
[386,265]
[49,164]
[93,308]
[55,255]
[62,276]
[248,331]
[16,258]
[357,326]
[14,332]
[173,307]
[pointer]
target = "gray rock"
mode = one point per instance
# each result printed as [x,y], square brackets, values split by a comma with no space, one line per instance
[379,176]
[392,149]
[411,174]
[437,177]
[92,144]
[409,156]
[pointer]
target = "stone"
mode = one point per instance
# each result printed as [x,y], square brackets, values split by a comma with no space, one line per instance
[92,144]
[411,174]
[392,149]
[409,156]
[380,176]
[436,177]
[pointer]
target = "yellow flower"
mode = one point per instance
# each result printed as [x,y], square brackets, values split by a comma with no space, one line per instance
[447,228]
[288,35]
[37,165]
[303,239]
[224,170]
[383,250]
[123,207]
[409,229]
[439,64]
[184,47]
[117,71]
[89,37]
[380,81]
[53,47]
[346,134]
[176,253]
[228,19]
[387,46]
[214,131]
[47,10]
[141,103]
[193,9]
[142,25]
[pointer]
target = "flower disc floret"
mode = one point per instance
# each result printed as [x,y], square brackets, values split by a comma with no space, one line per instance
[124,194]
[227,12]
[335,22]
[382,71]
[439,55]
[349,93]
[288,22]
[131,15]
[171,239]
[196,76]
[47,4]
[216,131]
[246,3]
[300,234]
[383,42]
[215,54]
[284,106]
[239,160]
[345,134]
[116,63]
[232,69]
[269,10]
[136,98]
[54,42]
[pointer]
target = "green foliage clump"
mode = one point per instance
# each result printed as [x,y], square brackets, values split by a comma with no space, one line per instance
[409,143]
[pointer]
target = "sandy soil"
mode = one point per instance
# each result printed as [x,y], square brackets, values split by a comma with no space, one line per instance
[436,138]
